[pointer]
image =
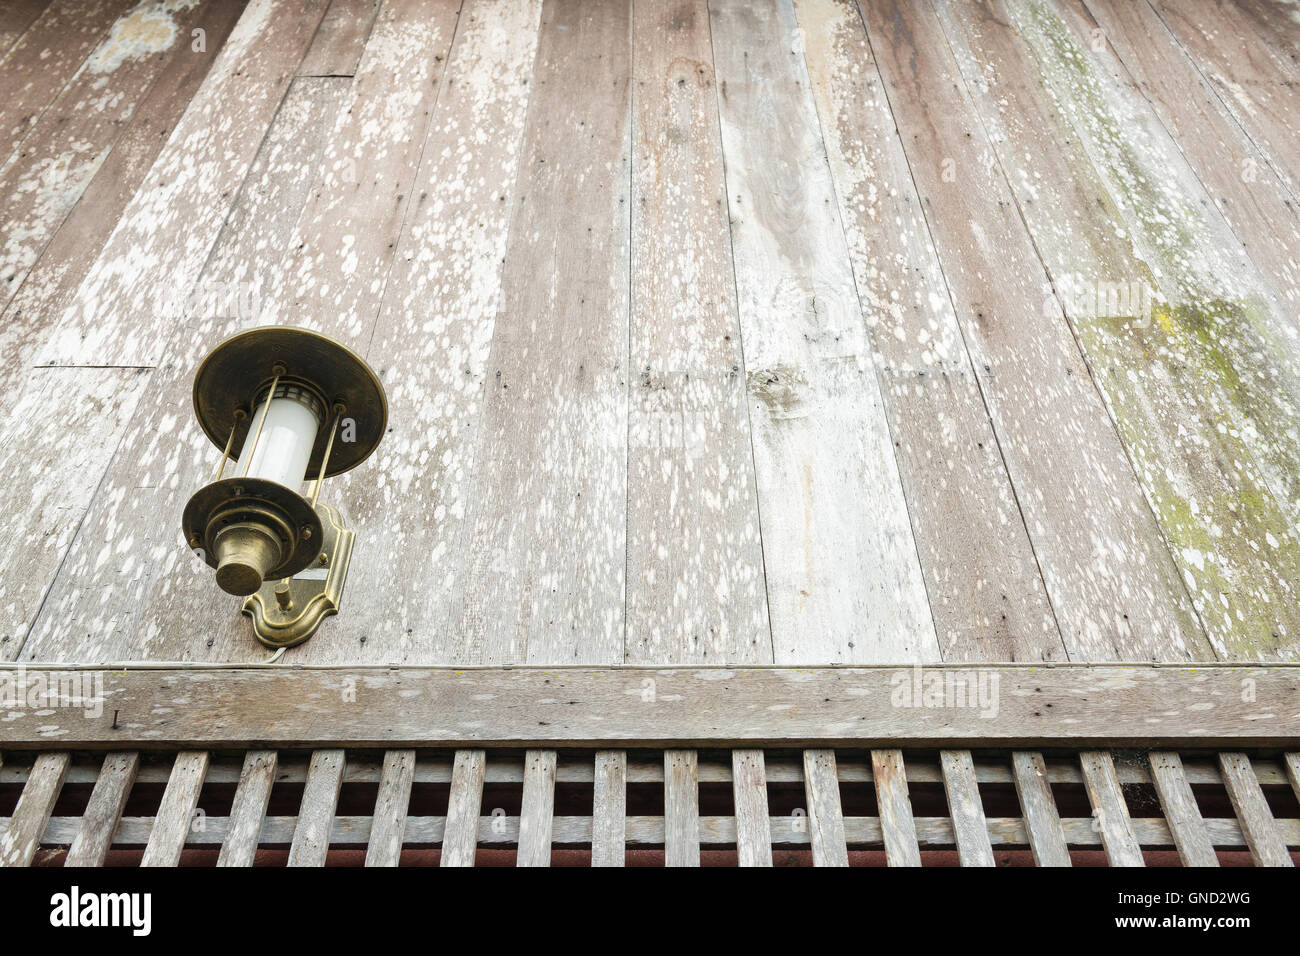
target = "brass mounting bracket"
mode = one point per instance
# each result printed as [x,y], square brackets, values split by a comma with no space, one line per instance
[288,611]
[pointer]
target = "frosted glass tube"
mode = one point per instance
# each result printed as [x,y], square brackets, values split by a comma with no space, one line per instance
[287,438]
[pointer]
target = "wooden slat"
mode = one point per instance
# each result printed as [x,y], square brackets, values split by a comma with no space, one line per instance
[609,808]
[1267,848]
[967,810]
[825,819]
[122,314]
[692,513]
[320,797]
[1041,398]
[1277,25]
[749,791]
[837,544]
[1180,809]
[248,811]
[1101,705]
[1109,809]
[341,39]
[15,18]
[537,809]
[175,817]
[466,796]
[895,808]
[48,55]
[445,282]
[1178,407]
[63,150]
[104,810]
[22,836]
[133,614]
[1042,822]
[681,808]
[557,372]
[389,829]
[1292,762]
[984,587]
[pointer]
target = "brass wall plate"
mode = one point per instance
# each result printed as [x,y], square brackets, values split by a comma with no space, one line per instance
[288,611]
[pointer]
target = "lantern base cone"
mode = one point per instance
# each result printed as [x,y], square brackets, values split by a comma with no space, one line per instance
[245,554]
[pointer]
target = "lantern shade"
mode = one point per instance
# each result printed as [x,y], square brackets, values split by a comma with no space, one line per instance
[284,441]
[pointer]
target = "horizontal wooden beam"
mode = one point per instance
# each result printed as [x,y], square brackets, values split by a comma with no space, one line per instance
[942,706]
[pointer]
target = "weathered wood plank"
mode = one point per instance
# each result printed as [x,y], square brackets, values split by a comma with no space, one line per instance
[104,810]
[1019,706]
[63,149]
[1260,89]
[1038,806]
[1131,603]
[65,260]
[984,587]
[1109,809]
[122,314]
[1277,25]
[681,808]
[967,810]
[692,522]
[844,582]
[1175,325]
[609,808]
[749,791]
[320,798]
[557,368]
[341,39]
[825,817]
[15,18]
[431,344]
[537,809]
[175,817]
[1181,812]
[895,808]
[247,813]
[1267,847]
[45,58]
[389,828]
[22,836]
[461,839]
[129,608]
[1292,764]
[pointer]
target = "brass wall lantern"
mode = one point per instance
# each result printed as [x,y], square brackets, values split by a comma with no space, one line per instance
[285,405]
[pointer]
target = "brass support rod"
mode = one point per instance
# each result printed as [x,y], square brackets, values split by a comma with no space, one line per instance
[270,396]
[325,460]
[225,453]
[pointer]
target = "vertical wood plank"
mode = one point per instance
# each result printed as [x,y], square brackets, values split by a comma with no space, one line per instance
[965,808]
[1180,809]
[1292,763]
[749,791]
[23,835]
[252,795]
[609,809]
[844,582]
[122,313]
[431,343]
[320,797]
[692,506]
[896,823]
[341,39]
[1267,847]
[175,817]
[1109,811]
[388,823]
[1044,406]
[1042,821]
[984,587]
[681,808]
[537,809]
[104,810]
[821,784]
[460,838]
[557,368]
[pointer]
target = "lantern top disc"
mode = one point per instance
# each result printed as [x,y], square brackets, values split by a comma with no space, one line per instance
[237,373]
